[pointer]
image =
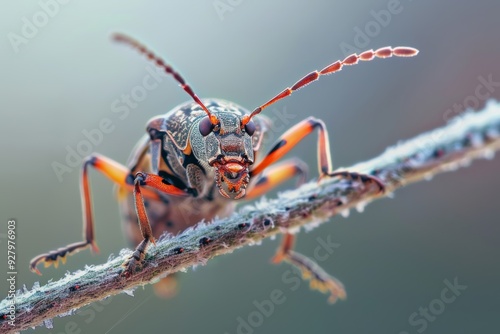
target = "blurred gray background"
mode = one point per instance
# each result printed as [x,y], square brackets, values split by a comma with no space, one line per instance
[393,258]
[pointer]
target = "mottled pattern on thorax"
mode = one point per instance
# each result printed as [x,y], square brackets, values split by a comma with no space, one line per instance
[180,120]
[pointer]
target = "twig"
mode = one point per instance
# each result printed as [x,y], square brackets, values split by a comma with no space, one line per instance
[469,136]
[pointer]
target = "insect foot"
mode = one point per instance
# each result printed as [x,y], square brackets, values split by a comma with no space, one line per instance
[53,257]
[49,259]
[135,262]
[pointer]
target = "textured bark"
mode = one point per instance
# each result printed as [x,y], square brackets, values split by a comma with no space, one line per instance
[469,136]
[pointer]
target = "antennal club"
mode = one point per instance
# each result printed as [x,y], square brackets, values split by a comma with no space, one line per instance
[168,69]
[385,52]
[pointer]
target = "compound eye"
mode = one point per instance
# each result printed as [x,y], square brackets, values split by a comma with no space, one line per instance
[250,128]
[206,126]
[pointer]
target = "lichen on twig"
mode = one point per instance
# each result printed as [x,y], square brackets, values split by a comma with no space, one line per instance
[469,136]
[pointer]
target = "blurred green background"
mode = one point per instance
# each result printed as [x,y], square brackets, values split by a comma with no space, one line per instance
[393,258]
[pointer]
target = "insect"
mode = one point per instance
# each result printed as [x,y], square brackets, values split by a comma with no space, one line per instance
[195,161]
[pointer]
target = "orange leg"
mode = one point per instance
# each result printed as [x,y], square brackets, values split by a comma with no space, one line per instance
[158,183]
[298,132]
[320,279]
[276,175]
[291,138]
[116,173]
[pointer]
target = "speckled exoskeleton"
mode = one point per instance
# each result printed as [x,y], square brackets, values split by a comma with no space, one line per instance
[197,159]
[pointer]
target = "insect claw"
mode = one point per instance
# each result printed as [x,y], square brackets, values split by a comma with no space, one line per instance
[34,269]
[337,291]
[278,258]
[224,193]
[331,285]
[240,193]
[94,247]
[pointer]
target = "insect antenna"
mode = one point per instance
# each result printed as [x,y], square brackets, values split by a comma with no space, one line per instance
[168,69]
[385,52]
